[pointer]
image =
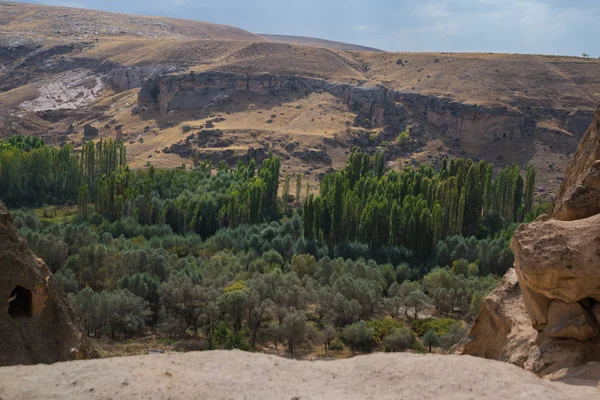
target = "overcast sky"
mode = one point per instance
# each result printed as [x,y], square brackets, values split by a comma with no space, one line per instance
[509,26]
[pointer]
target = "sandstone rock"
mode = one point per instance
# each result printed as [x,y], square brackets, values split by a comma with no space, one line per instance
[557,260]
[579,193]
[37,324]
[570,320]
[501,325]
[557,266]
[503,331]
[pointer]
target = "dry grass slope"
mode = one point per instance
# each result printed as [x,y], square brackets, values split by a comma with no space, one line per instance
[308,41]
[75,23]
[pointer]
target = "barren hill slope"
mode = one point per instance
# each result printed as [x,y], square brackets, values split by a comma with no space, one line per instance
[240,375]
[62,68]
[308,41]
[81,24]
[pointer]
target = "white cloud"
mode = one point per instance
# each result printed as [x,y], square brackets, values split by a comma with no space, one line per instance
[360,27]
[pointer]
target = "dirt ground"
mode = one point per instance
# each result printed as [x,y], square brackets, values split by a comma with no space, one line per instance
[241,375]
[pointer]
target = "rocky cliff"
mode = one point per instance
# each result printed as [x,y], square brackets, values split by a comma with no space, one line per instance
[376,106]
[37,324]
[545,316]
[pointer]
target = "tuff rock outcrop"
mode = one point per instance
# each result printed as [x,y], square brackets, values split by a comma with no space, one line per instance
[545,316]
[37,323]
[558,259]
[579,193]
[374,105]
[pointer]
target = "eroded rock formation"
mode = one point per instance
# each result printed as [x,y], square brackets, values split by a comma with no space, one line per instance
[545,316]
[579,193]
[37,324]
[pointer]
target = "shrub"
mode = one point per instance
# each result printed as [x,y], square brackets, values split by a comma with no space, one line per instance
[430,339]
[440,326]
[359,336]
[452,336]
[399,340]
[383,327]
[336,345]
[403,137]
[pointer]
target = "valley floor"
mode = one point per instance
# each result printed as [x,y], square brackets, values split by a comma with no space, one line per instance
[242,375]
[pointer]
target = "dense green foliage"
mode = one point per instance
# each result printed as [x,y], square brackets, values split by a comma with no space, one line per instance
[217,253]
[414,209]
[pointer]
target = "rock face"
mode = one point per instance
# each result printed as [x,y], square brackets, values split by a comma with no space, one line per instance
[37,324]
[501,322]
[558,260]
[558,263]
[374,105]
[545,316]
[579,193]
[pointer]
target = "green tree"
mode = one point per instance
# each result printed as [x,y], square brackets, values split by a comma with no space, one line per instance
[293,329]
[399,340]
[358,336]
[430,339]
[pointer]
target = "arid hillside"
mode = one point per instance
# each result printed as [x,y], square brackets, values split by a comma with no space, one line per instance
[80,24]
[62,68]
[308,41]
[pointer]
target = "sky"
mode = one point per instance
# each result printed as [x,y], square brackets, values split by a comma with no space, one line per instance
[569,27]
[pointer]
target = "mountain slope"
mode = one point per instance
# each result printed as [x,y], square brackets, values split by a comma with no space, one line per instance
[62,68]
[74,23]
[314,42]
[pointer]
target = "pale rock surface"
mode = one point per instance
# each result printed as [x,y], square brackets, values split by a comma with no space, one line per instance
[241,375]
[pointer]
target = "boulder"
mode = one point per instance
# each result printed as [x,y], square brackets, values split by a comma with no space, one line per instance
[557,260]
[570,320]
[503,331]
[37,323]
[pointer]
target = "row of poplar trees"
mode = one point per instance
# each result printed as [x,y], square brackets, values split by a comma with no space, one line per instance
[32,173]
[414,208]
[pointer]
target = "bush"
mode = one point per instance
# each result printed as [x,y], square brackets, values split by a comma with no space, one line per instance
[399,340]
[359,336]
[430,339]
[440,326]
[403,137]
[336,345]
[383,327]
[453,335]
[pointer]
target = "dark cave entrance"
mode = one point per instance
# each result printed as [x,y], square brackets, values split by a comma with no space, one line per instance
[19,303]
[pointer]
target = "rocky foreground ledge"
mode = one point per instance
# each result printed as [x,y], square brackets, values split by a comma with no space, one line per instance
[241,375]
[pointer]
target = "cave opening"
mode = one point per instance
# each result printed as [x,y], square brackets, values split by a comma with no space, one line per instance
[19,303]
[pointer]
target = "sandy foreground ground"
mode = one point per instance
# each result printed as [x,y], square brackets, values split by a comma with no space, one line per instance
[241,375]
